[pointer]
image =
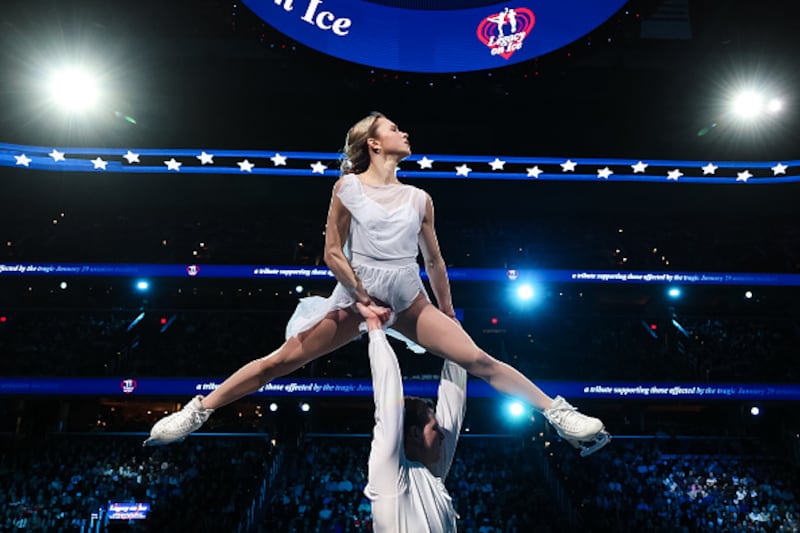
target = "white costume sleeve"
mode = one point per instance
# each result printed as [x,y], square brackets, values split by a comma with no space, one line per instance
[450,410]
[387,440]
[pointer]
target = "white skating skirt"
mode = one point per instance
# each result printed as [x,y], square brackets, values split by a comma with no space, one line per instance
[395,285]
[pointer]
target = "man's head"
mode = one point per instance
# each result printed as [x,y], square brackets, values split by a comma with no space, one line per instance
[422,436]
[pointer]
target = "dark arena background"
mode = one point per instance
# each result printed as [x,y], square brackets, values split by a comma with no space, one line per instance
[152,240]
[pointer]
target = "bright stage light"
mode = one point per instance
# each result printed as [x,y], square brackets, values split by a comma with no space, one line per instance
[73,89]
[142,285]
[775,106]
[273,407]
[748,104]
[674,292]
[305,407]
[516,409]
[525,292]
[755,411]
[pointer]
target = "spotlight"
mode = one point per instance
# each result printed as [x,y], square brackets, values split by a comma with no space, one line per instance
[755,411]
[63,285]
[674,292]
[273,407]
[142,285]
[299,289]
[748,104]
[775,106]
[748,294]
[73,89]
[525,292]
[516,409]
[305,407]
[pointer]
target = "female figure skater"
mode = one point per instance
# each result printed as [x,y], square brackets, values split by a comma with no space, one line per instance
[383,223]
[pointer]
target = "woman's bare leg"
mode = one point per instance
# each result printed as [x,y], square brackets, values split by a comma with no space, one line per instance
[335,330]
[439,334]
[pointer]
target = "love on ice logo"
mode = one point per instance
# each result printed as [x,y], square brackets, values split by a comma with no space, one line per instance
[504,32]
[128,385]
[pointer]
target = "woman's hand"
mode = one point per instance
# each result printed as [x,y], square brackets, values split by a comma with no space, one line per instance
[374,314]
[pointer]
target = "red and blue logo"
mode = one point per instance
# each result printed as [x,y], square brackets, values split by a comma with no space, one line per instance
[505,31]
[128,385]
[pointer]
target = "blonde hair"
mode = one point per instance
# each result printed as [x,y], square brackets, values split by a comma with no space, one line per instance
[355,154]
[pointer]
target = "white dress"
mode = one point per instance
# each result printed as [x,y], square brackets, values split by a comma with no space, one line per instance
[382,248]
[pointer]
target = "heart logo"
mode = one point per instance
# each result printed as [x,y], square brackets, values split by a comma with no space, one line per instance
[128,385]
[505,31]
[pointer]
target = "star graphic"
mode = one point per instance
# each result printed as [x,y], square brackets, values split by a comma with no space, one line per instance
[245,166]
[780,168]
[131,157]
[568,166]
[425,162]
[318,168]
[23,160]
[99,164]
[173,165]
[463,170]
[709,169]
[674,174]
[604,173]
[497,164]
[534,172]
[56,155]
[206,159]
[743,176]
[639,167]
[278,160]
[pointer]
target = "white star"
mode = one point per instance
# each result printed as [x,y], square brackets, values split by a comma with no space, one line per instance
[674,174]
[568,166]
[743,176]
[318,168]
[780,168]
[131,157]
[639,167]
[173,165]
[23,160]
[56,155]
[425,162]
[245,166]
[463,170]
[278,159]
[534,172]
[497,164]
[206,159]
[709,169]
[604,173]
[99,164]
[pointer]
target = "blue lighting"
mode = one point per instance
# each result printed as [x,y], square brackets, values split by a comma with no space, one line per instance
[516,409]
[142,285]
[674,292]
[525,292]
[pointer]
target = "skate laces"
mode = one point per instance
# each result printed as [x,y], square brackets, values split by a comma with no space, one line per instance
[188,419]
[567,418]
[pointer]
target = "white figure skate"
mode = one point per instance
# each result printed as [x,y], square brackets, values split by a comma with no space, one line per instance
[175,427]
[585,433]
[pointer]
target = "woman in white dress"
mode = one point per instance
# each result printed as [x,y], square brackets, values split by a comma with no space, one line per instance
[375,227]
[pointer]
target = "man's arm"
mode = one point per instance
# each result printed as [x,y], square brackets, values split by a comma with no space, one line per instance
[451,407]
[387,439]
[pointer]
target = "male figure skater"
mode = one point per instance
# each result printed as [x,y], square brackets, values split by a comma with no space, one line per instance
[412,445]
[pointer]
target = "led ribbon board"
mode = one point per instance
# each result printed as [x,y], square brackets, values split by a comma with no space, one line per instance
[435,35]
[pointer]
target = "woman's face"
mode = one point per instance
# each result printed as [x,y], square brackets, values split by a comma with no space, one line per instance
[390,139]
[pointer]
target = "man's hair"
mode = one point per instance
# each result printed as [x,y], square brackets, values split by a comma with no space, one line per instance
[416,412]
